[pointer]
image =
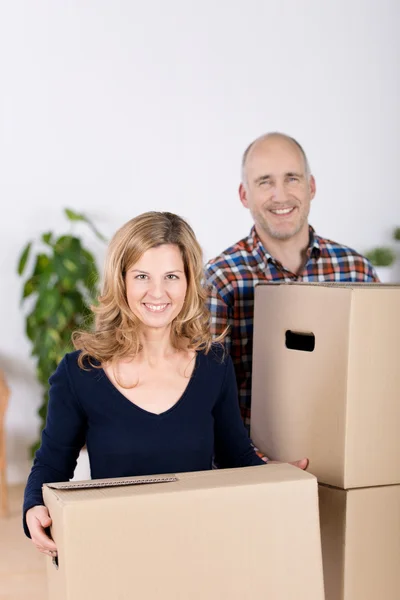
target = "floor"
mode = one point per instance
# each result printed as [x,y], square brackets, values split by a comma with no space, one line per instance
[22,567]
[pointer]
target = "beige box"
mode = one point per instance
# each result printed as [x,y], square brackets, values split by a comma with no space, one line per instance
[360,532]
[326,380]
[239,534]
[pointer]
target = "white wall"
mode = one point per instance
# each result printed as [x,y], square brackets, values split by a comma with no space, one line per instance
[116,107]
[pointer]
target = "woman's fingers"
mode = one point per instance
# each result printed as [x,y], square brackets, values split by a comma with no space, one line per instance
[38,519]
[52,553]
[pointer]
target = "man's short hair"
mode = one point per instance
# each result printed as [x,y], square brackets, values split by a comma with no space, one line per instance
[265,136]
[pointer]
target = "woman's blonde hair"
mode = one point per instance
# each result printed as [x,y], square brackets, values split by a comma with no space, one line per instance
[115,335]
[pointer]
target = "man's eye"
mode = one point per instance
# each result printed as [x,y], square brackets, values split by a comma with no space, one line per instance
[291,179]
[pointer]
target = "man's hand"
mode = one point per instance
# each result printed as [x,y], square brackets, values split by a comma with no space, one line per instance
[301,464]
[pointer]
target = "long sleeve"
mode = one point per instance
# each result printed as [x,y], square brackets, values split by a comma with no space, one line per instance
[220,312]
[62,438]
[226,311]
[233,447]
[370,275]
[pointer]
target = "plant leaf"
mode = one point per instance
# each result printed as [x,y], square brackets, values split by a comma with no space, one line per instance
[96,232]
[62,244]
[74,216]
[29,287]
[70,265]
[31,326]
[62,283]
[53,335]
[24,258]
[46,237]
[47,303]
[42,412]
[382,256]
[33,449]
[42,265]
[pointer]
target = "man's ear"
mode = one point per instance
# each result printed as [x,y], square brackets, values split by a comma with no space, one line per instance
[243,195]
[313,186]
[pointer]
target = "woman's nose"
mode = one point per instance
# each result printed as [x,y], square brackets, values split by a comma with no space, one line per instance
[157,289]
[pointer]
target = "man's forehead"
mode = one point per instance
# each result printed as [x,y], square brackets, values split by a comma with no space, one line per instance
[275,156]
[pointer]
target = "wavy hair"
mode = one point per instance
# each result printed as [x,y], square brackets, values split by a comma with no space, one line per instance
[116,329]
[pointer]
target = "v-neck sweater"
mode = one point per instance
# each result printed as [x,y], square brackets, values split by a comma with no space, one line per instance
[123,439]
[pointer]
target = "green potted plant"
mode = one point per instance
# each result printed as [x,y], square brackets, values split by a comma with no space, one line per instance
[58,290]
[382,258]
[396,234]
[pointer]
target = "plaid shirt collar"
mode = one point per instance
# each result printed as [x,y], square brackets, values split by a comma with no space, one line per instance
[263,256]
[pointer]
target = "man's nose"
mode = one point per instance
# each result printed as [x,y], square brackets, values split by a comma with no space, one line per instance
[279,192]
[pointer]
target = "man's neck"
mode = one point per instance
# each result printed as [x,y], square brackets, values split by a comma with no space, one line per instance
[291,253]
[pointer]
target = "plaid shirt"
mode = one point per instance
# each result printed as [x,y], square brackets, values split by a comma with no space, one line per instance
[233,275]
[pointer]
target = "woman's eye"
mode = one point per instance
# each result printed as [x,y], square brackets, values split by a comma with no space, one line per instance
[141,276]
[172,276]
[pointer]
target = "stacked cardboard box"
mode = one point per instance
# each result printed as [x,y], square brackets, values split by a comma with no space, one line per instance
[242,534]
[326,385]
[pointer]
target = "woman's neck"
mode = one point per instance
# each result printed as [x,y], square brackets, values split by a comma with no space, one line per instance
[156,345]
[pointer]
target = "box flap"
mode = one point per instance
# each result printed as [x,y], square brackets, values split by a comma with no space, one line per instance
[336,284]
[108,483]
[128,487]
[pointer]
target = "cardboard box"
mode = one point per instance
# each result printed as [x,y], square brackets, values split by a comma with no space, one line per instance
[360,532]
[240,534]
[326,380]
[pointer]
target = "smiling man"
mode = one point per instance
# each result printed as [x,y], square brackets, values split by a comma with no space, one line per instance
[277,187]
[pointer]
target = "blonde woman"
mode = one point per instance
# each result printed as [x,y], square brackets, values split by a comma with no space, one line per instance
[147,390]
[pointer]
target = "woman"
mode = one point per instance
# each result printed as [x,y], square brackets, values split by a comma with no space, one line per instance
[147,390]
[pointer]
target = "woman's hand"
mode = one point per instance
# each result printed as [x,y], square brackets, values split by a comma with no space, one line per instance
[37,519]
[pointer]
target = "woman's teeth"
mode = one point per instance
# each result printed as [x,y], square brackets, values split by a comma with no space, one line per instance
[156,307]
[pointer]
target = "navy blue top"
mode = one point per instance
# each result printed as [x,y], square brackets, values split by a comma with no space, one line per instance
[125,440]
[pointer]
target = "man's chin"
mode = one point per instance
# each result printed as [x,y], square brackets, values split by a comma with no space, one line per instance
[283,234]
[285,231]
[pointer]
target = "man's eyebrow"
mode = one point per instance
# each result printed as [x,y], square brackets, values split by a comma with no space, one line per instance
[262,178]
[293,174]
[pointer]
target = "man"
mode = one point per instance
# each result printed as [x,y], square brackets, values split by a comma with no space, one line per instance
[277,187]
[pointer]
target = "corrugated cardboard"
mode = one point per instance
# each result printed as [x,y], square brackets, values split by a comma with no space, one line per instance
[339,403]
[240,534]
[360,532]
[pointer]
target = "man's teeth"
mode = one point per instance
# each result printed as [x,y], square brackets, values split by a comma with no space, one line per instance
[282,211]
[156,307]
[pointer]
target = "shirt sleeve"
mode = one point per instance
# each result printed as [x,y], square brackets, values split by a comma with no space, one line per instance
[370,274]
[233,447]
[220,312]
[62,439]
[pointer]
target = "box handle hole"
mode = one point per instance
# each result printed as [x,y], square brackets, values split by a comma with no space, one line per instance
[297,340]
